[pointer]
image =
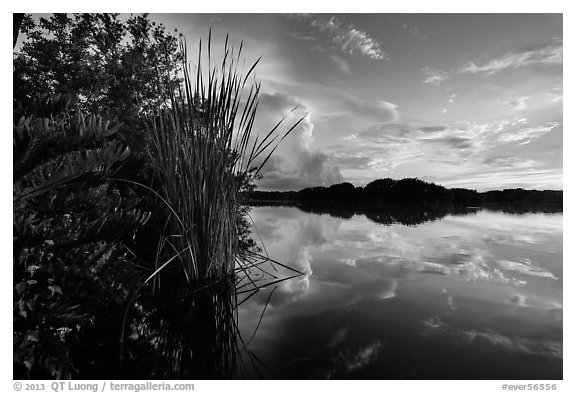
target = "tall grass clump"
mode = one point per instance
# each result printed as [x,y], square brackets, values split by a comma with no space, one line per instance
[205,153]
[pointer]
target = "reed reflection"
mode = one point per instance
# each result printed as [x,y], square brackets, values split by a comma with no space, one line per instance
[183,335]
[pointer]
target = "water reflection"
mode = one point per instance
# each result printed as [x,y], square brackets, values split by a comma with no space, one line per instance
[413,214]
[441,294]
[176,335]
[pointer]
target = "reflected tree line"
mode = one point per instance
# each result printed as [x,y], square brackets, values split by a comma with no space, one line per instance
[409,215]
[409,201]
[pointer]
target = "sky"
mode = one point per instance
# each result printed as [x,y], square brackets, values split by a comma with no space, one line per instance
[462,100]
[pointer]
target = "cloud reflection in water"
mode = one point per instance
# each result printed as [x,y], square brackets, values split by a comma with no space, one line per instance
[487,272]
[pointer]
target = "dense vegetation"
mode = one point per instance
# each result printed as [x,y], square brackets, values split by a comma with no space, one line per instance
[121,70]
[130,237]
[411,191]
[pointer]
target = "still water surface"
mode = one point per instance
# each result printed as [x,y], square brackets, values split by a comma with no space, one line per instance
[475,295]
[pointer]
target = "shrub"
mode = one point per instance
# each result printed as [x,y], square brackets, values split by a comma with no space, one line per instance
[70,267]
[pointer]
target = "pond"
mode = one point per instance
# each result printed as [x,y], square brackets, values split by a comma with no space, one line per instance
[472,294]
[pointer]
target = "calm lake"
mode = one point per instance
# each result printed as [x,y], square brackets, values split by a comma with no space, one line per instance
[470,295]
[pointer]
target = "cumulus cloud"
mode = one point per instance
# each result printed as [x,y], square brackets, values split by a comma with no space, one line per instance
[301,165]
[300,235]
[346,37]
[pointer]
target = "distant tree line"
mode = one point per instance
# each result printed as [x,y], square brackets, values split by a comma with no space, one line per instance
[411,191]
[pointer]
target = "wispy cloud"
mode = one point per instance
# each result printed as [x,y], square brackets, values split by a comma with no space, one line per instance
[528,178]
[550,55]
[346,37]
[453,142]
[540,57]
[301,37]
[509,162]
[450,101]
[386,147]
[382,147]
[517,103]
[434,77]
[341,64]
[380,110]
[414,31]
[528,134]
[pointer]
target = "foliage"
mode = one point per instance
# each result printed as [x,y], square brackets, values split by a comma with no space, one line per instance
[70,267]
[205,156]
[80,195]
[411,191]
[113,65]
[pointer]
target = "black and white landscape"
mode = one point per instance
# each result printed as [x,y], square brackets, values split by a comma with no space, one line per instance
[288,196]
